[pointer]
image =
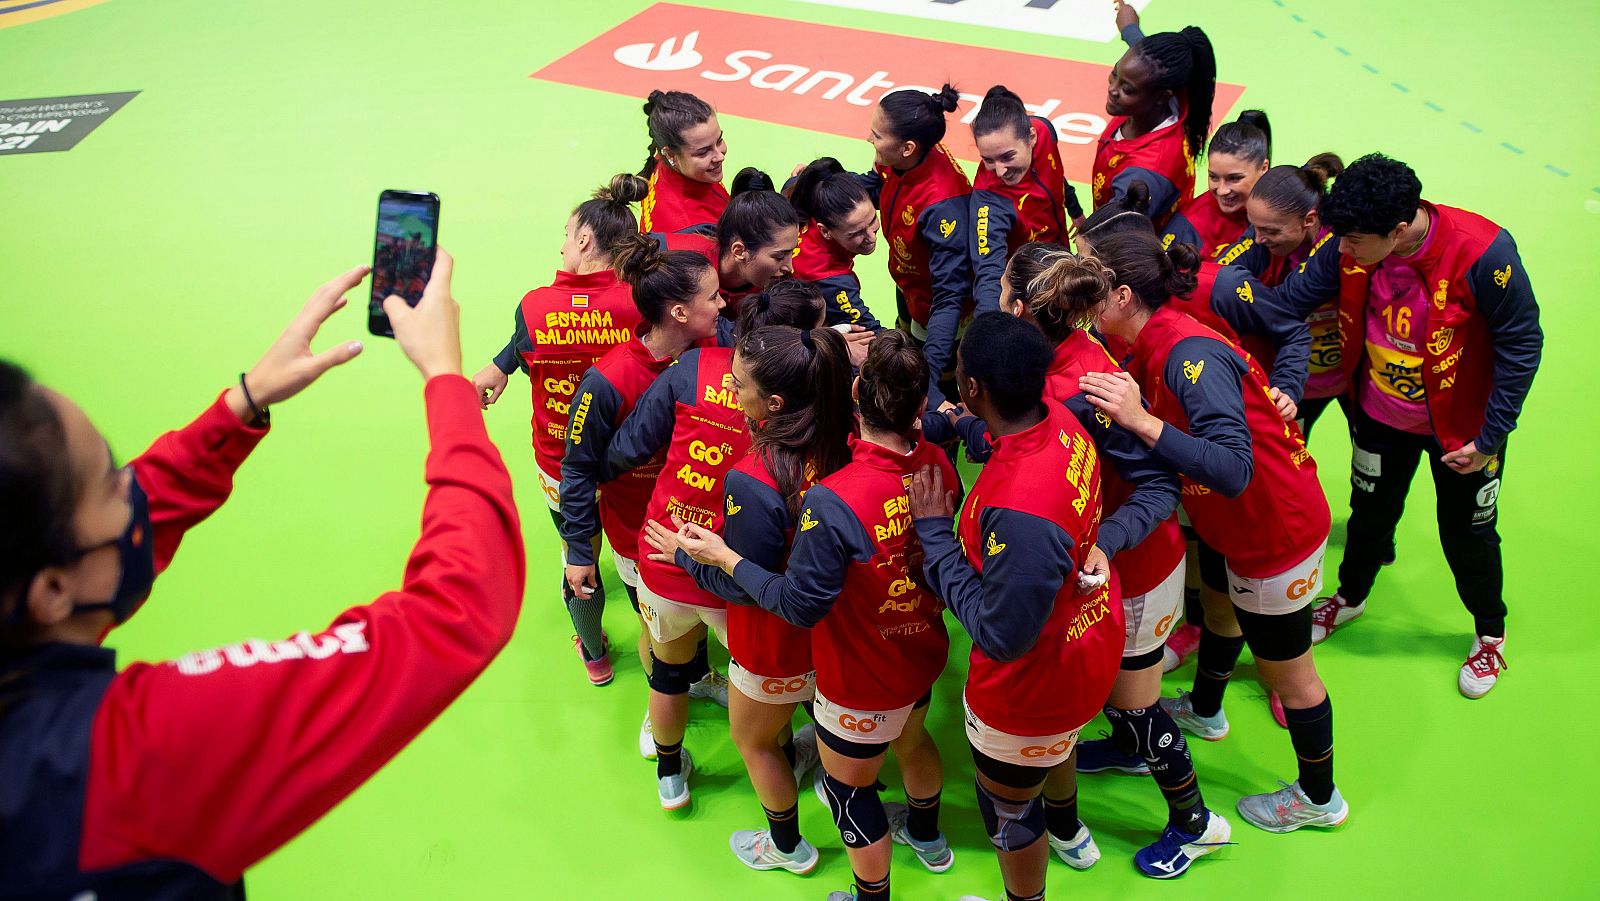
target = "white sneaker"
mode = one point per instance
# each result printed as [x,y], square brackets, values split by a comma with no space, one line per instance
[1483,666]
[713,687]
[806,754]
[1288,808]
[674,790]
[1169,660]
[820,786]
[935,855]
[1080,852]
[755,849]
[647,739]
[1181,709]
[1331,613]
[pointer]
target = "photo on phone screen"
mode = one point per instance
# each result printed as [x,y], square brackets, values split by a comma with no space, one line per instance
[402,253]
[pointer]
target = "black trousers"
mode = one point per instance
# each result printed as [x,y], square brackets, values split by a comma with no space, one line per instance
[1383,462]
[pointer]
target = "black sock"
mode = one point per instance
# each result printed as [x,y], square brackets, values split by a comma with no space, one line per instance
[1311,733]
[1013,896]
[1216,659]
[922,818]
[1162,745]
[1194,612]
[586,613]
[669,762]
[866,888]
[788,750]
[785,827]
[1061,816]
[702,659]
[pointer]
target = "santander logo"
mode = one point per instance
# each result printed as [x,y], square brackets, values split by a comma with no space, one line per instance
[663,57]
[824,78]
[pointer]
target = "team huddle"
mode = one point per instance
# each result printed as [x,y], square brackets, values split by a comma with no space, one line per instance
[773,467]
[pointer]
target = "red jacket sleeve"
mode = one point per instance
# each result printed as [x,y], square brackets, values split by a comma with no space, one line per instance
[222,756]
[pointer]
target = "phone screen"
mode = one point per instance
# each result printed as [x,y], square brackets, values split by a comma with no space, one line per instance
[402,253]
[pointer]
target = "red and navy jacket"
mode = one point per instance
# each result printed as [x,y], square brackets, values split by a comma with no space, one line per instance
[1483,337]
[1238,306]
[1159,158]
[1201,223]
[678,204]
[1043,656]
[1322,324]
[878,637]
[923,211]
[576,320]
[605,397]
[1250,485]
[757,526]
[168,780]
[691,414]
[822,261]
[1005,217]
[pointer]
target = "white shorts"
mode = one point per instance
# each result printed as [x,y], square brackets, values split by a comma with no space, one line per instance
[1023,750]
[864,727]
[772,690]
[669,619]
[1151,617]
[627,568]
[551,488]
[1285,592]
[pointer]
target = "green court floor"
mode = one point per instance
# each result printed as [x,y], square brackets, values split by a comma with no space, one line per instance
[143,269]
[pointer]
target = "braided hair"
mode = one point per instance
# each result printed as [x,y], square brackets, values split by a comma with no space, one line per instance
[1185,64]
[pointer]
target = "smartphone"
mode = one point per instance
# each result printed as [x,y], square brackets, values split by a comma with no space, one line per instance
[402,253]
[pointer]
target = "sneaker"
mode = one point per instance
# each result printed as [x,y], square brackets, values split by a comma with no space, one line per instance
[1101,754]
[713,687]
[820,786]
[1276,704]
[647,739]
[755,849]
[1169,856]
[674,790]
[600,672]
[805,753]
[1080,852]
[1483,666]
[843,896]
[1288,808]
[1330,613]
[1183,641]
[1181,709]
[935,855]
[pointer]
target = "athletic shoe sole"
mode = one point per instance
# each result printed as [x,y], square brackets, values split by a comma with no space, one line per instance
[1140,770]
[679,802]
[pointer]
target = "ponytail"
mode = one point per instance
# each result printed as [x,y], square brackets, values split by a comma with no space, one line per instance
[810,370]
[607,213]
[791,302]
[894,383]
[824,191]
[1248,137]
[1062,289]
[1129,212]
[1185,64]
[1297,190]
[918,117]
[1137,260]
[668,114]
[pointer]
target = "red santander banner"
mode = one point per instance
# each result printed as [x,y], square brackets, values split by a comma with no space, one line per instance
[825,78]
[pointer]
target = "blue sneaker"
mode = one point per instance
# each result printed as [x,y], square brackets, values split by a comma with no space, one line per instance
[1101,754]
[1171,854]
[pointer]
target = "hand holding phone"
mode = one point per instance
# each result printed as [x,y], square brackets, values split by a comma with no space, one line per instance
[402,252]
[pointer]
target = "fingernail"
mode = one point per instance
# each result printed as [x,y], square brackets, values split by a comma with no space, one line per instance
[355,347]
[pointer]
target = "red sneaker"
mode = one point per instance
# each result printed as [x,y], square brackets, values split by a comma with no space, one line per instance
[600,672]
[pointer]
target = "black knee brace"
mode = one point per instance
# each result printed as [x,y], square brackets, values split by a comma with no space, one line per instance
[857,811]
[671,678]
[1012,825]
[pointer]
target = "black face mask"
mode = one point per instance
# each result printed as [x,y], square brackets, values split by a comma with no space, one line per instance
[136,550]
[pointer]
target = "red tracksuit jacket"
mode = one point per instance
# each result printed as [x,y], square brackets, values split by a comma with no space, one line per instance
[1005,217]
[676,204]
[1160,159]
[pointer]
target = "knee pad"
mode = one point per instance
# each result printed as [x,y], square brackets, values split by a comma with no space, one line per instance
[671,678]
[857,811]
[1012,825]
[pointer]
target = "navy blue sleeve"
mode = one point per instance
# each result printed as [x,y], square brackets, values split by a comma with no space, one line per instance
[1181,231]
[583,466]
[844,306]
[648,428]
[1026,561]
[951,269]
[1156,489]
[726,336]
[829,539]
[1312,283]
[753,524]
[1132,34]
[873,182]
[1253,309]
[1206,376]
[510,357]
[1163,193]
[1505,298]
[992,218]
[1255,258]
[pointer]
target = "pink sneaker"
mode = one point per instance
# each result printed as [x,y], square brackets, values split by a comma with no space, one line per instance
[1182,643]
[600,672]
[1276,703]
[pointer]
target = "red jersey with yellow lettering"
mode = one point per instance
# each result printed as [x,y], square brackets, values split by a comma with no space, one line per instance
[571,324]
[1159,158]
[675,203]
[922,211]
[1201,222]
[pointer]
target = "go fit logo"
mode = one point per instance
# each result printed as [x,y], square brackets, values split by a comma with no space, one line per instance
[825,78]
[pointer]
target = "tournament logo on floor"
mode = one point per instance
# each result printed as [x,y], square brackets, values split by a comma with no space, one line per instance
[54,123]
[826,78]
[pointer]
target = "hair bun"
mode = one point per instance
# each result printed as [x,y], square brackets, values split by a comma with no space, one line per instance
[947,99]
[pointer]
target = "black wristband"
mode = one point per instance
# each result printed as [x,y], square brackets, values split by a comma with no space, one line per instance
[260,415]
